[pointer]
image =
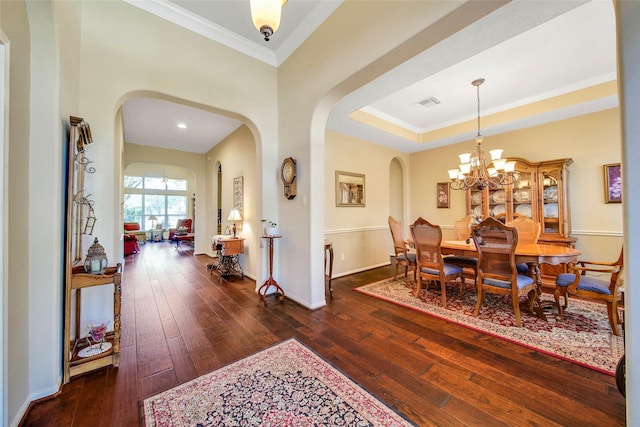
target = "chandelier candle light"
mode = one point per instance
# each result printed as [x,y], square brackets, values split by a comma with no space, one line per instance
[473,171]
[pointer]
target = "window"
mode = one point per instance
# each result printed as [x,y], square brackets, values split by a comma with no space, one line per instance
[166,199]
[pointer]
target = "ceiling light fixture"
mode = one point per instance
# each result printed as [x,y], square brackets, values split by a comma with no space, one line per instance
[473,171]
[182,125]
[266,16]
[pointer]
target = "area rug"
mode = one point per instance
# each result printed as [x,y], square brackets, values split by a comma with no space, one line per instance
[583,336]
[285,385]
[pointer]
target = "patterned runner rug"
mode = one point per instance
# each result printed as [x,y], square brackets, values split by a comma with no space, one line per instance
[583,336]
[284,385]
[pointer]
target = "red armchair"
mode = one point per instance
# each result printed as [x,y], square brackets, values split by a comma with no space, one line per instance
[184,222]
[131,232]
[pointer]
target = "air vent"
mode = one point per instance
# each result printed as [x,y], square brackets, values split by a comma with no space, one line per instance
[429,102]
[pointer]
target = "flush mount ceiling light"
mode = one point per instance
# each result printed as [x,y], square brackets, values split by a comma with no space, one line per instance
[181,125]
[266,16]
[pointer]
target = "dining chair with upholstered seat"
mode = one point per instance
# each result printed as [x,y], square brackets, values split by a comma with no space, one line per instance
[497,273]
[580,284]
[401,248]
[462,230]
[528,232]
[427,239]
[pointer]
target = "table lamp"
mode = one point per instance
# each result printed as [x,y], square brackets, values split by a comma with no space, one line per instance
[234,216]
[153,220]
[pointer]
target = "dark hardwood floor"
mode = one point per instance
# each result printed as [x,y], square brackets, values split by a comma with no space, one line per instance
[178,322]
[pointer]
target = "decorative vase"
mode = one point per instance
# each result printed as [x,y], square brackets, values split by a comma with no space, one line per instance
[271,231]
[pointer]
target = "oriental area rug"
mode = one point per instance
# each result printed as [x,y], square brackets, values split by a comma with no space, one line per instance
[285,385]
[583,336]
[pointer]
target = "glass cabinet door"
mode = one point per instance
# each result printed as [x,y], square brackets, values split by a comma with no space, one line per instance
[497,203]
[476,200]
[550,212]
[523,195]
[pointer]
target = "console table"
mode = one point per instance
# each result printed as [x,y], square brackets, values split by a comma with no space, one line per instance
[270,281]
[229,262]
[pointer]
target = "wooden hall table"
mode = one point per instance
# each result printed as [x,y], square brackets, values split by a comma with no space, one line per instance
[270,281]
[531,254]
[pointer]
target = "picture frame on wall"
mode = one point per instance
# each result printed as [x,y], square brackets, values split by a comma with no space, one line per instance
[238,194]
[350,189]
[442,194]
[612,183]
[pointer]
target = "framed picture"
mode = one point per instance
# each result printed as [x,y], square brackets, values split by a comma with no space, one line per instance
[238,194]
[350,189]
[442,191]
[612,183]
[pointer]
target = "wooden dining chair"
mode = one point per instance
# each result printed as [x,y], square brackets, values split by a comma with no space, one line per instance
[401,248]
[462,229]
[528,232]
[497,273]
[427,239]
[578,283]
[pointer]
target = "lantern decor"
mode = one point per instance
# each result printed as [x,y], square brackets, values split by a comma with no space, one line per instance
[96,260]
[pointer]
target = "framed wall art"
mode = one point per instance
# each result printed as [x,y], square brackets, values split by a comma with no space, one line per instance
[350,190]
[442,191]
[238,194]
[612,183]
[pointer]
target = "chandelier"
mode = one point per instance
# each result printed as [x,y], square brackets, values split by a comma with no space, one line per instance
[265,15]
[473,171]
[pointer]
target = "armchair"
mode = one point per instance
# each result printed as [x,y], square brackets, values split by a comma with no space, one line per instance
[497,273]
[184,222]
[134,228]
[131,244]
[578,283]
[427,239]
[403,256]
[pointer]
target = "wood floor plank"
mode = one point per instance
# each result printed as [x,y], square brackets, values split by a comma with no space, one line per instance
[179,322]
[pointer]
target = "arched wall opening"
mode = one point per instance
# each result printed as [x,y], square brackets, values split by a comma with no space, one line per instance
[213,174]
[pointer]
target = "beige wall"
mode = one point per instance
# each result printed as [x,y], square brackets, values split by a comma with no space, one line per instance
[335,60]
[14,24]
[591,141]
[237,156]
[360,235]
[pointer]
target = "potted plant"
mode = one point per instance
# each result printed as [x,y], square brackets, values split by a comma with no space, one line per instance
[270,228]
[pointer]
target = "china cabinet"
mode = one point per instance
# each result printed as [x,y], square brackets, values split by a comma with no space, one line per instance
[83,349]
[541,192]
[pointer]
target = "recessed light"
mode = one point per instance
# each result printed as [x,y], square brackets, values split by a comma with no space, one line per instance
[182,125]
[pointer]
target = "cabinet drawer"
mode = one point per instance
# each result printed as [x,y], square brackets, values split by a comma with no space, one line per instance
[232,247]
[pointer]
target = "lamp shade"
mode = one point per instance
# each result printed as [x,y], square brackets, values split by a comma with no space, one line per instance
[234,215]
[265,15]
[152,218]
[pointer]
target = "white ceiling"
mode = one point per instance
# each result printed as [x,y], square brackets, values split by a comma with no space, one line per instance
[527,51]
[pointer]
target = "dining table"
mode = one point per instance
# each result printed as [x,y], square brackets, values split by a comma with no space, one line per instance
[533,254]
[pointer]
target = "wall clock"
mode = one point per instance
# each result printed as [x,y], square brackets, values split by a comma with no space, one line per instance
[288,175]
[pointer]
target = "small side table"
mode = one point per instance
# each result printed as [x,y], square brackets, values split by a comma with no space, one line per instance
[156,235]
[328,247]
[270,281]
